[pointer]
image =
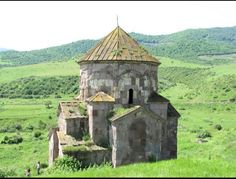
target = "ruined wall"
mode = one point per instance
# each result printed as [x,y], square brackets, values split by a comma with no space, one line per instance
[62,123]
[98,122]
[135,138]
[76,127]
[91,157]
[53,146]
[117,78]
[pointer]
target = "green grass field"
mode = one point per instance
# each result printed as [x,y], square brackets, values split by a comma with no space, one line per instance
[65,68]
[200,111]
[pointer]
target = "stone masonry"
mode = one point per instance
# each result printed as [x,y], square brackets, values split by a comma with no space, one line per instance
[118,116]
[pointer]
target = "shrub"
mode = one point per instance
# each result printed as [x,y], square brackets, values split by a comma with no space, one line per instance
[49,117]
[44,165]
[152,158]
[86,136]
[218,127]
[204,134]
[37,134]
[82,109]
[18,127]
[67,163]
[57,96]
[2,130]
[4,173]
[12,140]
[42,125]
[30,127]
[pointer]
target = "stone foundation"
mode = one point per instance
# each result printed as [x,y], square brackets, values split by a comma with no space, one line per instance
[97,156]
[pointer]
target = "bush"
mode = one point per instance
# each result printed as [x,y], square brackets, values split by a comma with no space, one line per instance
[67,163]
[44,165]
[12,140]
[42,125]
[2,130]
[49,117]
[37,134]
[6,173]
[204,134]
[152,158]
[86,136]
[57,96]
[30,128]
[18,127]
[218,127]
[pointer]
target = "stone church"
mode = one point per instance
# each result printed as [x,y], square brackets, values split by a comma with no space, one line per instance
[118,116]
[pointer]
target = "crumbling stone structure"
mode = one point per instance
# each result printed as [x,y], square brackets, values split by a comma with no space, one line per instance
[118,108]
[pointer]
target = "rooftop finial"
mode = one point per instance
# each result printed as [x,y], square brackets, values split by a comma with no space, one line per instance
[117,20]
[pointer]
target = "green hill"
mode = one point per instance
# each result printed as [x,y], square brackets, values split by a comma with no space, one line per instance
[187,45]
[191,43]
[63,52]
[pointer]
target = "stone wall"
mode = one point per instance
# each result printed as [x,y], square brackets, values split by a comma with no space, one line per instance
[98,122]
[91,157]
[117,78]
[62,123]
[160,108]
[172,137]
[136,137]
[77,127]
[53,146]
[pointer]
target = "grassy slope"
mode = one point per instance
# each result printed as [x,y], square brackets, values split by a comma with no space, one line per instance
[171,168]
[221,148]
[43,69]
[26,112]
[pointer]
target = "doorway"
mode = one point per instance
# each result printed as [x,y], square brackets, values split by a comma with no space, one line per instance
[130,96]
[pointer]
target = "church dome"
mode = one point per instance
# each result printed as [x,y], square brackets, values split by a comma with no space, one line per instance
[118,46]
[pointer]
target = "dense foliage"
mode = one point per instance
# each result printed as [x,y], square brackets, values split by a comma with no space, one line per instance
[67,163]
[40,87]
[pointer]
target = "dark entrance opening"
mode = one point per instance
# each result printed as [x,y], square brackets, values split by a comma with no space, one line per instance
[130,96]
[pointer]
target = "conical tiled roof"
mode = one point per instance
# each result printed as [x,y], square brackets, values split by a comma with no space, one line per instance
[101,97]
[118,46]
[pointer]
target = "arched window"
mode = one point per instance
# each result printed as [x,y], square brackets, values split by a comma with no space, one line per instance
[130,96]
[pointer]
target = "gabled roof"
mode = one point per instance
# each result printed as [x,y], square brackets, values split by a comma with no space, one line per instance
[172,112]
[101,97]
[118,46]
[154,97]
[133,110]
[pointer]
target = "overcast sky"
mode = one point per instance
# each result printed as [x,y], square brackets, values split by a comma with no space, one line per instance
[35,24]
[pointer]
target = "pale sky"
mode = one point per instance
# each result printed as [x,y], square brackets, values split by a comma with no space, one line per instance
[40,24]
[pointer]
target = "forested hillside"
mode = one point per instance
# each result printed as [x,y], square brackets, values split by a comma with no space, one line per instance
[190,44]
[63,52]
[187,45]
